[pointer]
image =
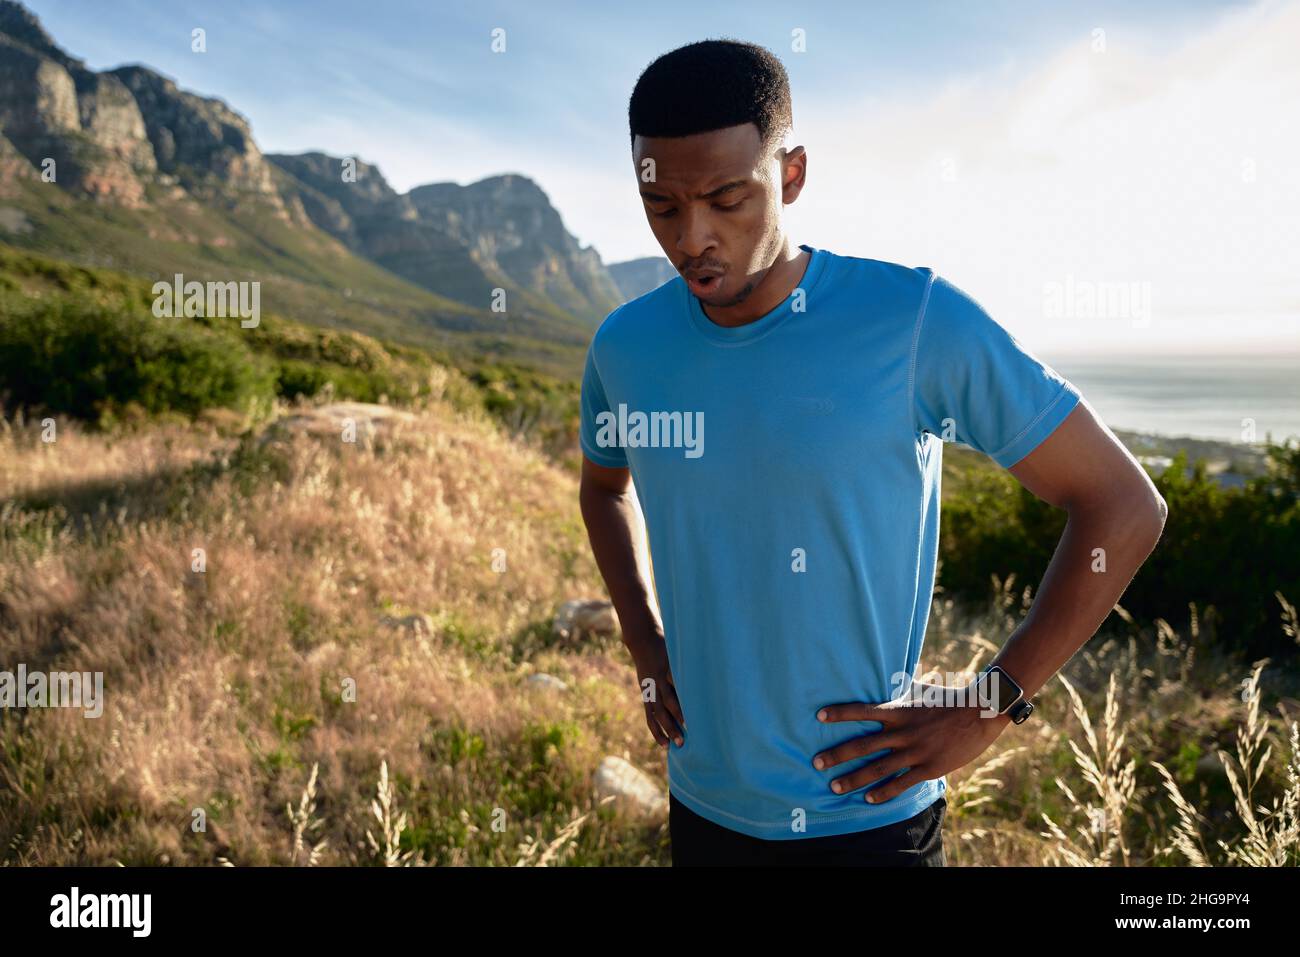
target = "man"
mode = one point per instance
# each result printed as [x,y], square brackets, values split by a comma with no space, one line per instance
[794,553]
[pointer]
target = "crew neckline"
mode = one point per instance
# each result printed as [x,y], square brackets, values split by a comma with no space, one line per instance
[764,324]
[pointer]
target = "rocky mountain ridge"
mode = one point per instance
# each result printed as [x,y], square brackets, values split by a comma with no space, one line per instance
[132,138]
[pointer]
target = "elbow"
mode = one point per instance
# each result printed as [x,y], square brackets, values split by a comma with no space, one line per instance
[1146,508]
[1149,514]
[1159,514]
[1139,510]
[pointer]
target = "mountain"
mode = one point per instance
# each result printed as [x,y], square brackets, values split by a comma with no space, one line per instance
[636,277]
[461,241]
[512,229]
[124,169]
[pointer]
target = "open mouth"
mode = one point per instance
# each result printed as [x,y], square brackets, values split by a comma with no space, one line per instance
[703,284]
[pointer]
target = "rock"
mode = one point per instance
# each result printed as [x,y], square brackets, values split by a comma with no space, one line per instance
[630,787]
[367,419]
[323,654]
[194,135]
[111,133]
[53,108]
[416,624]
[509,223]
[584,617]
[636,277]
[111,117]
[547,682]
[462,242]
[12,220]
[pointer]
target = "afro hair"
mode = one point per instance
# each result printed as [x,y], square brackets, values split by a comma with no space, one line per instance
[710,85]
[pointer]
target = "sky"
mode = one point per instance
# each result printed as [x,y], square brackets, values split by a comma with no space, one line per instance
[1104,177]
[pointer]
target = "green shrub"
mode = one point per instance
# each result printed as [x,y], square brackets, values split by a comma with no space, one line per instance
[1227,549]
[93,360]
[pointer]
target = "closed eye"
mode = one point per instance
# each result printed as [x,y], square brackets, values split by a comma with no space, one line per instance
[718,206]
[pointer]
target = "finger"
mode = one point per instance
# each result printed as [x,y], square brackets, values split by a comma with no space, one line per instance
[660,738]
[668,721]
[897,786]
[858,711]
[861,746]
[872,772]
[674,704]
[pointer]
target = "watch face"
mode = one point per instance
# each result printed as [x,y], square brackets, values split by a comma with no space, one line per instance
[997,691]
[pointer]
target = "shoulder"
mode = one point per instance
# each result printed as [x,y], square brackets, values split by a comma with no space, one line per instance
[932,293]
[951,311]
[638,317]
[887,283]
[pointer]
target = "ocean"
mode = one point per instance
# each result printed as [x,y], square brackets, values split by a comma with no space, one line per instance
[1203,396]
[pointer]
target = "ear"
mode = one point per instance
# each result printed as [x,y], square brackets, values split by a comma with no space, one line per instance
[794,170]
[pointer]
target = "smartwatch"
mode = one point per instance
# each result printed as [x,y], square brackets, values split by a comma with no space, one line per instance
[999,689]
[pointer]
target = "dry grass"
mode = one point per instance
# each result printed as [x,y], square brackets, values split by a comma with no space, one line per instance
[274,691]
[1163,714]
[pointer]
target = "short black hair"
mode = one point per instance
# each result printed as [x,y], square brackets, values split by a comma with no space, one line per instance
[710,85]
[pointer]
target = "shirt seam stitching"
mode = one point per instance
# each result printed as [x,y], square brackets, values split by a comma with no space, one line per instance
[1060,394]
[597,456]
[916,342]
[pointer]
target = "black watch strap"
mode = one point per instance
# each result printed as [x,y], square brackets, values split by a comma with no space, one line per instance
[1021,710]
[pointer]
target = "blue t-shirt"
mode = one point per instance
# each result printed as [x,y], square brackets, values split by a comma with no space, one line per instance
[788,470]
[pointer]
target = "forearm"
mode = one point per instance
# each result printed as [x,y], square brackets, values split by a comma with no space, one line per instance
[616,534]
[1076,594]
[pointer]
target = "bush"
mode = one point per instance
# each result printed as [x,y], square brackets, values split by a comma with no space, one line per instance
[296,377]
[1228,549]
[93,360]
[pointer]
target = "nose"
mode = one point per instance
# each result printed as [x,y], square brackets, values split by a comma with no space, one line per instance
[695,237]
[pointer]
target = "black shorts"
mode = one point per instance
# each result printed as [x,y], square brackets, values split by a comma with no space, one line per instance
[915,842]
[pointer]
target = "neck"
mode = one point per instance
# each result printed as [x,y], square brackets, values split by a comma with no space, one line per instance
[772,289]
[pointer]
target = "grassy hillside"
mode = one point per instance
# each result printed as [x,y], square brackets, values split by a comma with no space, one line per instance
[84,342]
[226,688]
[329,567]
[304,273]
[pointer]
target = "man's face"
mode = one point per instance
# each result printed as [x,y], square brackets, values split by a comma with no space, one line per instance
[713,201]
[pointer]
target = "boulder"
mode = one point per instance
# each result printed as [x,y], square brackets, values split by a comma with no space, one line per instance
[584,617]
[368,420]
[547,682]
[630,787]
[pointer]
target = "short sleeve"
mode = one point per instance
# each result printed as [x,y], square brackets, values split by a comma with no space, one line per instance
[598,444]
[974,382]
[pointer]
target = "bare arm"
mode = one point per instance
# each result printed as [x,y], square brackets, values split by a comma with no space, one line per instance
[1116,517]
[615,532]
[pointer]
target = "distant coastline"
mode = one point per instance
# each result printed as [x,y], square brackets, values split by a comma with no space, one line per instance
[1217,399]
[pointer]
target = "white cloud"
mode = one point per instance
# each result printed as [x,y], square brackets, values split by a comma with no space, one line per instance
[1177,170]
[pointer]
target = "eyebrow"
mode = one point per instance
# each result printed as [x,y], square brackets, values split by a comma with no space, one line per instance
[724,188]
